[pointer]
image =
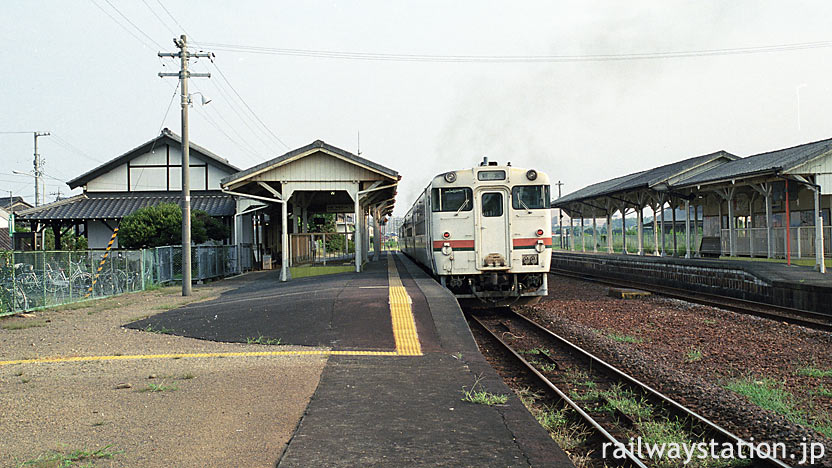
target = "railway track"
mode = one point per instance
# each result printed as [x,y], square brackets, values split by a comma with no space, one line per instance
[800,317]
[616,406]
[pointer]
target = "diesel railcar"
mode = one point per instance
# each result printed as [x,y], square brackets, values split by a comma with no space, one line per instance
[484,232]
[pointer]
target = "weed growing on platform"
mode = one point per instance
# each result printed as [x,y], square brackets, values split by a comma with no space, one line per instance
[262,340]
[482,397]
[693,354]
[23,325]
[69,459]
[153,388]
[162,330]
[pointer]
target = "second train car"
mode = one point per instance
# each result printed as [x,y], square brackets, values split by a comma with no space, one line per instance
[484,232]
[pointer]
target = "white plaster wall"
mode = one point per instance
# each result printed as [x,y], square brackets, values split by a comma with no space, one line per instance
[113,181]
[99,235]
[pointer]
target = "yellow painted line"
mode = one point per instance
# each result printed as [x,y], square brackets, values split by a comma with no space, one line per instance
[404,326]
[200,355]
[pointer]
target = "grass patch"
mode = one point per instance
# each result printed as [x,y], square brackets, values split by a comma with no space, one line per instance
[161,330]
[56,459]
[709,321]
[622,338]
[693,355]
[770,395]
[164,307]
[673,432]
[822,391]
[816,372]
[625,401]
[23,325]
[482,397]
[304,271]
[25,380]
[154,388]
[263,340]
[188,376]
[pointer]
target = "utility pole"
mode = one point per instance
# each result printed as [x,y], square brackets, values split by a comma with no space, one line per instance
[560,217]
[38,171]
[184,74]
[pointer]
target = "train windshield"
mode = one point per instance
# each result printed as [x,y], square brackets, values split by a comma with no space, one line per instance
[451,199]
[530,197]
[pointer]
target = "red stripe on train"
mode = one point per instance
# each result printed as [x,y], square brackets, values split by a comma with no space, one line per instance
[455,244]
[531,242]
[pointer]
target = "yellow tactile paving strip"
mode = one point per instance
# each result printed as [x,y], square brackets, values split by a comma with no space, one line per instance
[404,332]
[404,326]
[322,352]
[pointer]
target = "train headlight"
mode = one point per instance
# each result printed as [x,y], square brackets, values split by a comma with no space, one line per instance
[539,247]
[531,174]
[539,232]
[446,248]
[450,177]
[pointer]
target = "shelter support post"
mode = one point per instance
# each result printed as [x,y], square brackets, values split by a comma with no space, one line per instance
[750,226]
[655,231]
[624,230]
[662,228]
[583,242]
[609,232]
[377,236]
[819,260]
[357,235]
[687,228]
[732,234]
[640,230]
[673,211]
[570,239]
[788,227]
[769,236]
[284,254]
[594,233]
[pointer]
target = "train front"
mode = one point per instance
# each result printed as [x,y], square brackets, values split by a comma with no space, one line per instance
[492,233]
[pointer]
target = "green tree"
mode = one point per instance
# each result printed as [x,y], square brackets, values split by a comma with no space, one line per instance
[214,228]
[158,225]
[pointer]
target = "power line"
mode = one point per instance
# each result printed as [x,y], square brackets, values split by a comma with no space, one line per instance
[66,144]
[13,133]
[247,106]
[144,43]
[391,57]
[133,24]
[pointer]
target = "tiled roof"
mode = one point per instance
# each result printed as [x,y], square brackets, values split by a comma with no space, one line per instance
[90,206]
[167,135]
[762,163]
[643,179]
[315,144]
[19,202]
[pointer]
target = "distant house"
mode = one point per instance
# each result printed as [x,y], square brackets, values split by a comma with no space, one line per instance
[9,205]
[146,175]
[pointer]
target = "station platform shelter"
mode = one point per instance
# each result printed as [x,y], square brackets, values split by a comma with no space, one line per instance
[771,205]
[282,197]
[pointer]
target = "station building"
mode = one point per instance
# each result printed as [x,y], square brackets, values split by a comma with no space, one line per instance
[268,207]
[146,175]
[774,204]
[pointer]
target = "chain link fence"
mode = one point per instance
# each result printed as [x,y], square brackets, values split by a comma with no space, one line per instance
[37,279]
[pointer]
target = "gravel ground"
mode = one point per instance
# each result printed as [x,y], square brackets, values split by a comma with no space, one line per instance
[233,411]
[670,334]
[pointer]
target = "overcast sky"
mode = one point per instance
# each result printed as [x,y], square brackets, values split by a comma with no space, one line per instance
[91,79]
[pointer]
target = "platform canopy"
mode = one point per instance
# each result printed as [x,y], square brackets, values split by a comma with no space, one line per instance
[320,178]
[721,183]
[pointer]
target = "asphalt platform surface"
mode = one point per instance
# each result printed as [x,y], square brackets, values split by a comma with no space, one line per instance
[378,410]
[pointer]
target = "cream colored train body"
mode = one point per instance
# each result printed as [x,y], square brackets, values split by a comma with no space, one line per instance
[484,232]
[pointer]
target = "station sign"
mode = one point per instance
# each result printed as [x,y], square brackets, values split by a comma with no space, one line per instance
[340,208]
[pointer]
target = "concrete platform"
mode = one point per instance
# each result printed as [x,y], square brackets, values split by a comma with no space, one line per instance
[768,282]
[387,410]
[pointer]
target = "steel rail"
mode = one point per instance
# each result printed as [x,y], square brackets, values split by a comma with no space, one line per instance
[548,383]
[743,306]
[644,387]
